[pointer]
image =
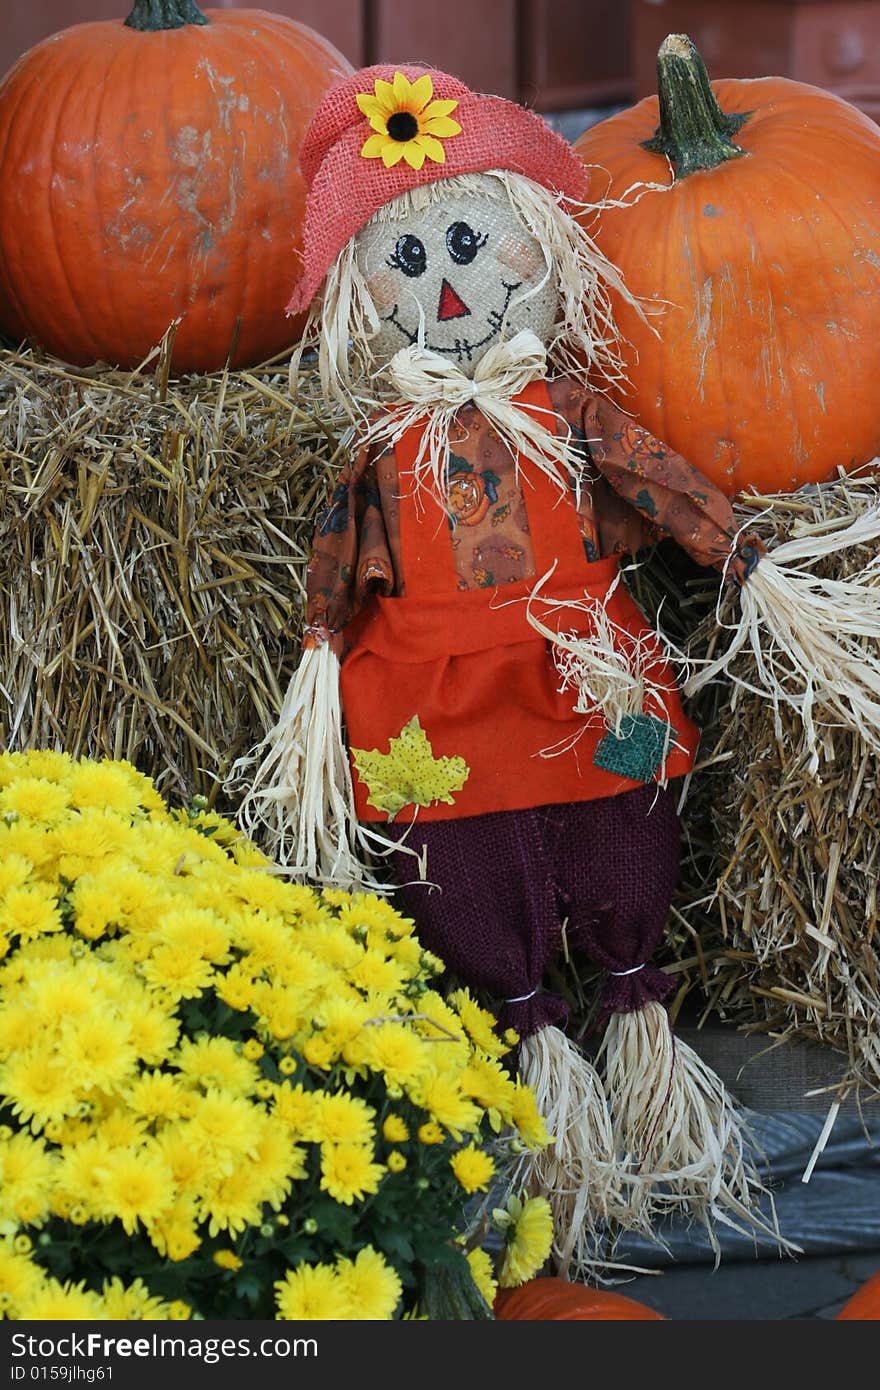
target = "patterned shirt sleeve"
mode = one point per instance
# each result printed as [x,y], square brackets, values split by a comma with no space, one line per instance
[672,496]
[350,559]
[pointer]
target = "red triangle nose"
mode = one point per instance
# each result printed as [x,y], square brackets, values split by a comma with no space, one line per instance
[450,306]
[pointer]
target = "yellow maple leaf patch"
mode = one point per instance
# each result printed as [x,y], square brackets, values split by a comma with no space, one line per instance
[408,774]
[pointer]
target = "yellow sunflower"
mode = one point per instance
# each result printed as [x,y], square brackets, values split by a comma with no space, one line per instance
[408,124]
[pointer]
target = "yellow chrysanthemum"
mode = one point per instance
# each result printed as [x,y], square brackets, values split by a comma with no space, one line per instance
[155,1095]
[342,1118]
[368,912]
[396,1161]
[175,1233]
[486,1082]
[430,1133]
[120,1130]
[55,766]
[473,1168]
[371,1287]
[95,907]
[331,945]
[395,1050]
[337,897]
[20,1029]
[276,1162]
[279,1011]
[35,799]
[15,870]
[295,1108]
[483,1274]
[19,1278]
[247,855]
[179,970]
[311,1293]
[408,123]
[375,974]
[135,1186]
[267,940]
[261,889]
[30,911]
[105,785]
[224,1124]
[441,1095]
[227,1259]
[78,1182]
[37,1088]
[348,1172]
[233,1202]
[56,1302]
[31,842]
[209,1061]
[198,930]
[480,1024]
[131,1303]
[529,1240]
[320,1051]
[527,1118]
[394,1129]
[154,1032]
[188,1162]
[235,988]
[97,1051]
[87,839]
[440,1021]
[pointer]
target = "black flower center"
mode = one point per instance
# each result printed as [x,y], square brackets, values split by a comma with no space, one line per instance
[402,126]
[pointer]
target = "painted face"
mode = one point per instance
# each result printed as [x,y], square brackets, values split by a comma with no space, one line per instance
[465,266]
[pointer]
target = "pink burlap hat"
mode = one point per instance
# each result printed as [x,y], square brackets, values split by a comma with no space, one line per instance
[386,129]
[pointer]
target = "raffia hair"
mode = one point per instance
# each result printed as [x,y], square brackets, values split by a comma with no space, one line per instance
[343,318]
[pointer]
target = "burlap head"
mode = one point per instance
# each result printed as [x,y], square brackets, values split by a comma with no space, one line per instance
[346,188]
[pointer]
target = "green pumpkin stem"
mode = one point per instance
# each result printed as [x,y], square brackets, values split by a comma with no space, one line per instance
[694,133]
[153,15]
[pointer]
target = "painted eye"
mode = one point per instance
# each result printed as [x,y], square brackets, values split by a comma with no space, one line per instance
[410,256]
[463,243]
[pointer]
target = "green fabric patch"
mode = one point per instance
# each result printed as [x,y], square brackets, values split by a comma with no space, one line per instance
[638,752]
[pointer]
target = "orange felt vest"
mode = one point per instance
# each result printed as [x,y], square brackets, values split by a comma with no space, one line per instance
[482,682]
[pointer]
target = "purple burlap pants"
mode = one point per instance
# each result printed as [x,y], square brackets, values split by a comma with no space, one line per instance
[507,881]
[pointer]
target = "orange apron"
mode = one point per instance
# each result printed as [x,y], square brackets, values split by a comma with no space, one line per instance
[481,680]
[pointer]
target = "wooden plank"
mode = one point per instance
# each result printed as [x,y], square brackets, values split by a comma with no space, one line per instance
[476,44]
[575,53]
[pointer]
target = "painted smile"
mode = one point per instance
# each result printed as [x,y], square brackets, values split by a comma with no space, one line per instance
[463,349]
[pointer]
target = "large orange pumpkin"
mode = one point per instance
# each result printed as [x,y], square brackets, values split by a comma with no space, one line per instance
[547,1299]
[149,170]
[864,1306]
[765,239]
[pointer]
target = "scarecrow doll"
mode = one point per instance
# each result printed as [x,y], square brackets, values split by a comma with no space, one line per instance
[480,707]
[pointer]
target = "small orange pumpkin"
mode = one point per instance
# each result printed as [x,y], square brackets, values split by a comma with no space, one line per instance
[149,170]
[765,242]
[864,1306]
[547,1299]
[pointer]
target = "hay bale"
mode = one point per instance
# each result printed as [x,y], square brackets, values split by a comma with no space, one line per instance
[780,877]
[154,536]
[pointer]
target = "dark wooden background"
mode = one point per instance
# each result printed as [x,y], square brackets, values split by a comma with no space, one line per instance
[557,55]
